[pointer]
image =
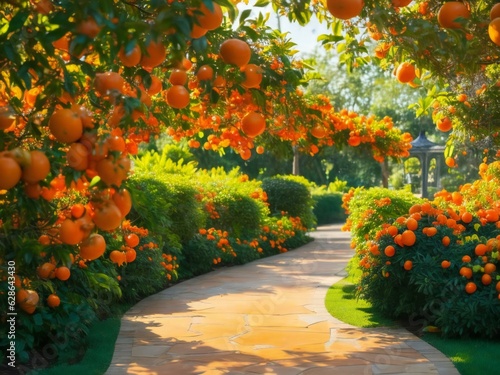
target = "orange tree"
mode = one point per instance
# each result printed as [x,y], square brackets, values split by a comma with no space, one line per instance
[82,85]
[448,50]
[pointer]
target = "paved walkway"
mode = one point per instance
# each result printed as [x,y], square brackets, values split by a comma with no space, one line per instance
[265,317]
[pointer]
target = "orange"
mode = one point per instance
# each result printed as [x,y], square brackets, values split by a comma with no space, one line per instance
[444,124]
[10,172]
[480,249]
[259,150]
[489,268]
[450,12]
[33,191]
[408,265]
[53,300]
[78,157]
[38,168]
[401,3]
[132,240]
[253,76]
[466,217]
[109,82]
[63,273]
[492,215]
[209,19]
[44,6]
[486,279]
[66,125]
[495,11]
[85,115]
[155,87]
[177,97]
[466,272]
[88,27]
[46,271]
[236,52]
[7,119]
[70,232]
[431,231]
[118,257]
[130,57]
[416,208]
[405,72]
[205,73]
[445,241]
[445,264]
[345,9]
[450,162]
[92,247]
[389,251]
[253,124]
[113,171]
[28,301]
[318,131]
[108,217]
[178,77]
[155,54]
[470,287]
[466,259]
[123,201]
[392,230]
[411,224]
[245,154]
[494,31]
[130,255]
[116,143]
[197,31]
[408,238]
[77,210]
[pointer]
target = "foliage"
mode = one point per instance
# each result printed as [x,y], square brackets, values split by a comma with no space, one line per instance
[368,209]
[167,205]
[233,202]
[290,194]
[328,207]
[436,264]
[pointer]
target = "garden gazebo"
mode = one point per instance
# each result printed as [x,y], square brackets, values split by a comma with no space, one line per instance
[426,150]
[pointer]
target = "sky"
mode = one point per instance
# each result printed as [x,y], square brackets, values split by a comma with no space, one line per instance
[304,37]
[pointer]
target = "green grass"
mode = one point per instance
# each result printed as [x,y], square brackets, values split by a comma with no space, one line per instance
[99,352]
[470,356]
[342,304]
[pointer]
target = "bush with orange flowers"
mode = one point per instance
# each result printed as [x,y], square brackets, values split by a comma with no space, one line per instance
[453,244]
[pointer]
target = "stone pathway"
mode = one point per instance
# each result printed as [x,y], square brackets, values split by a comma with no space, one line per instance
[265,317]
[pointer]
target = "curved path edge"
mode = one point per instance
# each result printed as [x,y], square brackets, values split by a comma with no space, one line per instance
[265,317]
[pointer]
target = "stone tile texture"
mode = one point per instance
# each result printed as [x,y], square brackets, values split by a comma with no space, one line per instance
[265,317]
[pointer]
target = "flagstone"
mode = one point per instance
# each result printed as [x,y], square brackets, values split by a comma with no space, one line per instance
[265,317]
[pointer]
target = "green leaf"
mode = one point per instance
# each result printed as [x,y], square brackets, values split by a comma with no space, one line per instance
[18,20]
[261,3]
[37,319]
[95,181]
[244,15]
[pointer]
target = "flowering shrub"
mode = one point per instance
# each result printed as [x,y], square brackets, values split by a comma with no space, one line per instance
[290,194]
[437,263]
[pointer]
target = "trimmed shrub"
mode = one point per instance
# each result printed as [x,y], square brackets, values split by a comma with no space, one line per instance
[328,208]
[167,206]
[437,264]
[290,194]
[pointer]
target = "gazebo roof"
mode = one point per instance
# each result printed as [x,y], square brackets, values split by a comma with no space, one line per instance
[422,145]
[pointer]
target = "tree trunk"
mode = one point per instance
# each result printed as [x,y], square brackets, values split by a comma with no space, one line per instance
[295,165]
[385,174]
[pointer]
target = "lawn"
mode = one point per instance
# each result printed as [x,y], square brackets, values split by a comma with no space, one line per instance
[470,356]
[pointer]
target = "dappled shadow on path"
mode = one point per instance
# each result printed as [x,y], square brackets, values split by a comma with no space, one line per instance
[265,317]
